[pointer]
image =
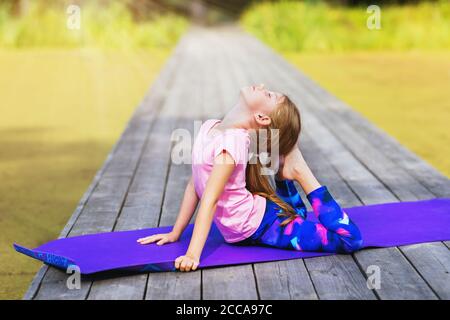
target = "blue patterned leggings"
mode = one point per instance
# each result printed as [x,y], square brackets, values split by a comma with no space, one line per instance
[334,232]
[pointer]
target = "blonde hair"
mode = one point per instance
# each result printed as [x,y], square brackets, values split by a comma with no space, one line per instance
[285,118]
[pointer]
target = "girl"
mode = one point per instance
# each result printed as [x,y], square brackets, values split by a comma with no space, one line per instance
[239,198]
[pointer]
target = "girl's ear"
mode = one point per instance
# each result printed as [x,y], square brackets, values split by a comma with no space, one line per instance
[262,119]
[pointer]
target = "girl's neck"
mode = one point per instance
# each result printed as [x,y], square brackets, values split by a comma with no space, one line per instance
[238,117]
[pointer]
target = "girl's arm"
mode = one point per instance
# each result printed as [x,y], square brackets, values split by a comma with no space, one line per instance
[222,169]
[187,209]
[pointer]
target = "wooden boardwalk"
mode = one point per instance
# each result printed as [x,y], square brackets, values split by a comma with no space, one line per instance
[139,187]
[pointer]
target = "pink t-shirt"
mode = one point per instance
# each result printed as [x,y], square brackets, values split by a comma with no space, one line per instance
[239,212]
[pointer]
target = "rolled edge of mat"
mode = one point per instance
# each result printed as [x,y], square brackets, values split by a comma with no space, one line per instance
[46,257]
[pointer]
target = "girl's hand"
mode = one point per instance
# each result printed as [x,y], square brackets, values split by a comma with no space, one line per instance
[187,262]
[162,238]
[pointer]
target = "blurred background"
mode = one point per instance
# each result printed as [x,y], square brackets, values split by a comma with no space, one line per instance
[70,80]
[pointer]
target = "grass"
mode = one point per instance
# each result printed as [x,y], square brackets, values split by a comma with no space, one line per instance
[106,26]
[398,76]
[319,27]
[62,111]
[406,94]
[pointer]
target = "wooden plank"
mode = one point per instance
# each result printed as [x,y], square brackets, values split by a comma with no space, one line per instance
[90,221]
[432,261]
[183,285]
[253,55]
[427,176]
[412,286]
[303,93]
[268,279]
[345,270]
[425,173]
[399,279]
[366,166]
[396,179]
[338,278]
[327,111]
[360,180]
[130,287]
[401,158]
[412,281]
[412,189]
[284,280]
[346,279]
[243,275]
[52,283]
[269,77]
[142,206]
[229,283]
[172,286]
[230,64]
[399,272]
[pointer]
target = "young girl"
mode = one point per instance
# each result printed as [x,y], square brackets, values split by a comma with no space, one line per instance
[239,198]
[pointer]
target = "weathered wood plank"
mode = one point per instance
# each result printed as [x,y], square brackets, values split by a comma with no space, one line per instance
[52,283]
[399,279]
[403,185]
[130,287]
[146,192]
[270,279]
[338,278]
[242,283]
[328,102]
[425,173]
[345,270]
[229,283]
[303,94]
[284,280]
[432,261]
[184,285]
[410,286]
[172,286]
[138,186]
[427,176]
[409,192]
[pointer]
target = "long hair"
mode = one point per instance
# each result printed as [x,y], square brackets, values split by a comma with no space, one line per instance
[286,119]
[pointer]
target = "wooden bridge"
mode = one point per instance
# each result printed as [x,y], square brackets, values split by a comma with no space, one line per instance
[139,187]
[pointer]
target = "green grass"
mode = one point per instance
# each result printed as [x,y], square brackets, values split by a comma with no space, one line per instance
[111,26]
[62,111]
[398,77]
[318,27]
[405,94]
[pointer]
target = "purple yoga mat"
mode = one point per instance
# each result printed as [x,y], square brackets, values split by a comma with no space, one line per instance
[381,225]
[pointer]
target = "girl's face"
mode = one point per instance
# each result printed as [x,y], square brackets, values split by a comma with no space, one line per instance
[260,100]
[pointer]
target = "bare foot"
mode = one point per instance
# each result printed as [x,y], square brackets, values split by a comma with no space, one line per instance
[291,164]
[294,167]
